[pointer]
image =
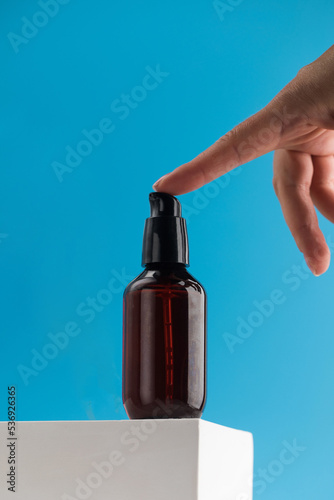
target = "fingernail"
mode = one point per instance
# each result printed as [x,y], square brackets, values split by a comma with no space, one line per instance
[311,262]
[156,184]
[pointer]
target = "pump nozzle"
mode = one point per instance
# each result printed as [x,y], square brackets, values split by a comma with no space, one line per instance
[164,204]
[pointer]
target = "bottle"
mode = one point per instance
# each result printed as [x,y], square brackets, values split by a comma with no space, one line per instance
[164,323]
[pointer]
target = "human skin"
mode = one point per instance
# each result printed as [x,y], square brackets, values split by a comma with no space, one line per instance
[298,124]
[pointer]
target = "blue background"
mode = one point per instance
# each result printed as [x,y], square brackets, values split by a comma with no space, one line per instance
[60,242]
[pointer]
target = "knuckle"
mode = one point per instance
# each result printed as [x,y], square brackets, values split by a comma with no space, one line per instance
[323,185]
[231,139]
[300,187]
[304,71]
[305,227]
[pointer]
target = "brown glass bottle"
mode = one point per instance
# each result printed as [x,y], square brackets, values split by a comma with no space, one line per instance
[164,325]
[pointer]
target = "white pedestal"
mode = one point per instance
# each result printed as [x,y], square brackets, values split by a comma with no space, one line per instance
[181,459]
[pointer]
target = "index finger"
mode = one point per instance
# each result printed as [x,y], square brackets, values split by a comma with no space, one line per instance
[254,137]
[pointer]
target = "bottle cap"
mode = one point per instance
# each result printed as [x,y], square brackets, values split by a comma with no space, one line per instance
[165,233]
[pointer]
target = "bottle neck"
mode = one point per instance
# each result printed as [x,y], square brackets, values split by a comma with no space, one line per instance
[165,266]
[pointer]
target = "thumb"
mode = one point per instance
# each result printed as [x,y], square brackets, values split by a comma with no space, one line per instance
[252,138]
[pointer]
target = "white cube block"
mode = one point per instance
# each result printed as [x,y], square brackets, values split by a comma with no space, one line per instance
[167,459]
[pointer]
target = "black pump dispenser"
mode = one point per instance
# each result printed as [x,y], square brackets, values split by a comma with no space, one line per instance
[165,234]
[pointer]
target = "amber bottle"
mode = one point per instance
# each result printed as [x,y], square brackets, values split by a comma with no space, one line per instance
[164,323]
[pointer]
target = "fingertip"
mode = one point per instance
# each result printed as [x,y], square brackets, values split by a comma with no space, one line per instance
[318,264]
[180,181]
[157,185]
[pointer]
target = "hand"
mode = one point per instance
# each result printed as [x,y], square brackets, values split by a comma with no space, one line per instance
[299,125]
